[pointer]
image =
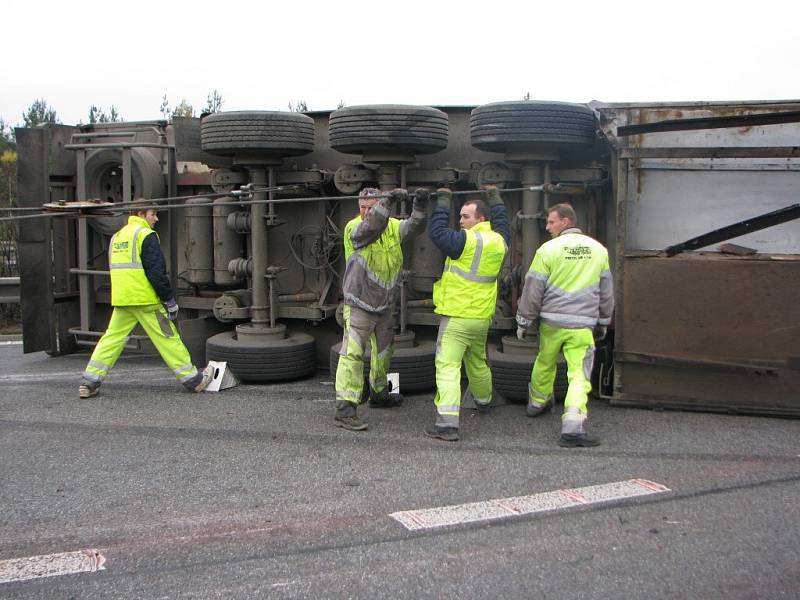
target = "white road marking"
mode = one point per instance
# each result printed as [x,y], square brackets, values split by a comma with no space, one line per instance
[503,508]
[50,565]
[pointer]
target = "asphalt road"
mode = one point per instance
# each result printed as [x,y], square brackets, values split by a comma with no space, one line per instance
[253,493]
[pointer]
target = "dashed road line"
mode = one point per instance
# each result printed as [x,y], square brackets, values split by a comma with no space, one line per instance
[51,565]
[503,508]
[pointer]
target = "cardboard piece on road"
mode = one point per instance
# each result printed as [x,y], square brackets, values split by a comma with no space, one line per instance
[223,377]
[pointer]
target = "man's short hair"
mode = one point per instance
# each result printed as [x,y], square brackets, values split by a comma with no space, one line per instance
[141,205]
[481,208]
[369,193]
[565,211]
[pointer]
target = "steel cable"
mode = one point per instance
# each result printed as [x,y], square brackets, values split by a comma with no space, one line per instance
[247,191]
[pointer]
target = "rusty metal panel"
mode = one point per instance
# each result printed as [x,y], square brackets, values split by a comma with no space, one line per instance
[710,331]
[615,116]
[704,330]
[712,305]
[707,390]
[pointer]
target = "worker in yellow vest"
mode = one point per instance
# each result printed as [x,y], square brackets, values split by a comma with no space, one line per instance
[374,257]
[569,292]
[139,286]
[465,296]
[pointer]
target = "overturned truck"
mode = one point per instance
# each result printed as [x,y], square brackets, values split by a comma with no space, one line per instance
[255,203]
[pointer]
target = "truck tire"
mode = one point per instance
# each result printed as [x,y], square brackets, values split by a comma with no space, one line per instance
[103,176]
[263,133]
[511,374]
[387,127]
[416,366]
[508,126]
[293,357]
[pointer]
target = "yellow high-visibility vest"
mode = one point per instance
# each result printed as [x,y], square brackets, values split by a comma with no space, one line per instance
[468,287]
[129,284]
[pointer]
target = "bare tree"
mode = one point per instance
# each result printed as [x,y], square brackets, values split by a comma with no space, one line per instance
[7,141]
[38,112]
[301,106]
[164,110]
[213,103]
[98,115]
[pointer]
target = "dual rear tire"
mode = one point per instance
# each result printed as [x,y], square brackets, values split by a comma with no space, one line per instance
[416,366]
[293,357]
[511,374]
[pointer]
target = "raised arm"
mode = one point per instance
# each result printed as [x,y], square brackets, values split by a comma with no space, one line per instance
[498,214]
[449,241]
[374,223]
[419,212]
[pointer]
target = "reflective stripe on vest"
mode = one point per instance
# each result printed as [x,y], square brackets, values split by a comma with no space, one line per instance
[472,274]
[564,280]
[373,271]
[468,287]
[135,263]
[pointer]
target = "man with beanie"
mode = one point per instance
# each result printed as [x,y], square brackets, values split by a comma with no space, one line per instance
[374,258]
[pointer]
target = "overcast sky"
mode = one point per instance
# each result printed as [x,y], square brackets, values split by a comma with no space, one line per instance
[263,56]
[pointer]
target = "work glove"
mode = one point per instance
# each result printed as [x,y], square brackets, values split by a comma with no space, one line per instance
[421,200]
[493,195]
[521,331]
[398,195]
[444,197]
[599,333]
[172,309]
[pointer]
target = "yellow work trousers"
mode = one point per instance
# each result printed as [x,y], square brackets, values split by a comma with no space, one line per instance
[577,345]
[160,330]
[460,340]
[362,328]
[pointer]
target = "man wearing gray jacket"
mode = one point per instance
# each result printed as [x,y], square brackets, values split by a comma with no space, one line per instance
[374,258]
[568,296]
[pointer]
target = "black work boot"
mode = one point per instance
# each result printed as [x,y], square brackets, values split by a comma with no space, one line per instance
[448,434]
[346,417]
[201,381]
[87,389]
[385,398]
[533,410]
[482,407]
[575,440]
[351,422]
